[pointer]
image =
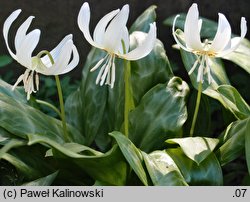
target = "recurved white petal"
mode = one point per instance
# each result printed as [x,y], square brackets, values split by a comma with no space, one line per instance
[26,48]
[102,25]
[176,37]
[191,29]
[115,30]
[8,22]
[223,34]
[200,24]
[73,63]
[146,44]
[235,42]
[125,39]
[56,51]
[83,23]
[21,32]
[62,62]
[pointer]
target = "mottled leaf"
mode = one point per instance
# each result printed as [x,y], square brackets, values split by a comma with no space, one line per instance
[21,119]
[109,168]
[233,141]
[247,145]
[44,181]
[241,55]
[234,102]
[162,169]
[196,148]
[160,115]
[132,155]
[143,21]
[208,172]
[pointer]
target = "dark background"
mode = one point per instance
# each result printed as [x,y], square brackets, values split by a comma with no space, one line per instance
[57,18]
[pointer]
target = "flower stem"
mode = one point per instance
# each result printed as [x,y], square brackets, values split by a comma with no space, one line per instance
[60,96]
[129,101]
[198,99]
[47,104]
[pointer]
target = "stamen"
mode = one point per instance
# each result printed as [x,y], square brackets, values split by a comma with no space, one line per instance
[37,81]
[20,78]
[194,67]
[108,79]
[200,70]
[113,73]
[107,69]
[200,74]
[26,75]
[98,63]
[209,77]
[101,71]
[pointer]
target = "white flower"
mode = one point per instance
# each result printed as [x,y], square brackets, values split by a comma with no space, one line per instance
[111,35]
[221,45]
[25,44]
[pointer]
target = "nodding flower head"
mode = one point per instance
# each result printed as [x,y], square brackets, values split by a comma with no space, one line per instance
[62,59]
[111,35]
[221,45]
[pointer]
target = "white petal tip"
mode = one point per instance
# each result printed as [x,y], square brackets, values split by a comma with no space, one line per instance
[17,12]
[243,26]
[85,6]
[126,7]
[194,5]
[70,36]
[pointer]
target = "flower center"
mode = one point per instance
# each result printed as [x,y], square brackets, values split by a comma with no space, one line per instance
[206,51]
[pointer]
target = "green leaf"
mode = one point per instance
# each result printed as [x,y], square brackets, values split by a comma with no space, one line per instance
[44,181]
[208,29]
[196,148]
[30,161]
[5,60]
[163,170]
[6,89]
[21,119]
[5,136]
[143,21]
[241,55]
[233,141]
[160,115]
[247,145]
[208,172]
[234,102]
[149,71]
[11,144]
[85,107]
[108,168]
[132,155]
[204,115]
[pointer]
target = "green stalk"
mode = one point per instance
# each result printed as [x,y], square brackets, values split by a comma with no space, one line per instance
[60,96]
[198,99]
[129,101]
[47,104]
